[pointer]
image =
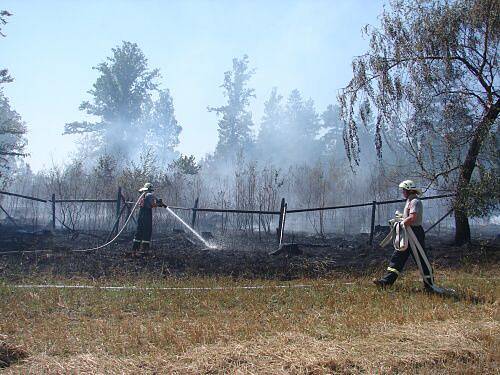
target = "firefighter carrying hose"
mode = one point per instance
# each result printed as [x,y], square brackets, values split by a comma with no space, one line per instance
[412,217]
[142,238]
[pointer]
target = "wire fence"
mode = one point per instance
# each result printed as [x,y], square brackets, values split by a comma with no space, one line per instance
[103,217]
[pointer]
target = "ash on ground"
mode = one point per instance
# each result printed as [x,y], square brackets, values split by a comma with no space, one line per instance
[235,254]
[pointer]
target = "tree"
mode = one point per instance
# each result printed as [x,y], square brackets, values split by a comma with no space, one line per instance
[235,122]
[302,118]
[136,173]
[12,128]
[333,127]
[120,94]
[12,139]
[105,171]
[287,128]
[163,129]
[4,73]
[429,74]
[271,125]
[300,130]
[186,165]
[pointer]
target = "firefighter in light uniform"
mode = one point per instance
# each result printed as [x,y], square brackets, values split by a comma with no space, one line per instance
[412,216]
[142,238]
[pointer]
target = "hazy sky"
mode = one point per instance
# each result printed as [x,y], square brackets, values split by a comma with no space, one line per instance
[51,47]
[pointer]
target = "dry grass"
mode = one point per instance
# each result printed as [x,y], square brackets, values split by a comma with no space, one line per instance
[10,353]
[341,328]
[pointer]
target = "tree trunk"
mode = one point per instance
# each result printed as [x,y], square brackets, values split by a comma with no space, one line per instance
[462,228]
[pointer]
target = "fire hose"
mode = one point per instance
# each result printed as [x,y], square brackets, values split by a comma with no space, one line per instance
[89,249]
[402,237]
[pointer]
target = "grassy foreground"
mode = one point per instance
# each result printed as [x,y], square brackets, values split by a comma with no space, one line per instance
[341,325]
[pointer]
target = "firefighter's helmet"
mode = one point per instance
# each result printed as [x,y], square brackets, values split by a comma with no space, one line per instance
[411,186]
[148,186]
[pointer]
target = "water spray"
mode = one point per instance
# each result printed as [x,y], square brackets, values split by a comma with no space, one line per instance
[208,245]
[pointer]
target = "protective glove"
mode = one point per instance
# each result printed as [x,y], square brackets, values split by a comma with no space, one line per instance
[159,203]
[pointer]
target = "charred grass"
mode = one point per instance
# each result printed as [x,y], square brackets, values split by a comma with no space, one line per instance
[339,325]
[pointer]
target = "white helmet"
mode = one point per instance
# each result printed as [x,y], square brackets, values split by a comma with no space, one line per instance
[148,186]
[410,185]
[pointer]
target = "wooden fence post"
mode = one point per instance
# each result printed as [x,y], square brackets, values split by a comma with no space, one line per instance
[53,211]
[280,223]
[372,224]
[259,218]
[193,216]
[11,219]
[118,210]
[283,220]
[127,205]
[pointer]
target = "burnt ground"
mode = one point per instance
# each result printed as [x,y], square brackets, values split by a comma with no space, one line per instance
[236,255]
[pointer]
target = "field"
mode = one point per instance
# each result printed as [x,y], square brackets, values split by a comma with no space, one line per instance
[192,313]
[338,324]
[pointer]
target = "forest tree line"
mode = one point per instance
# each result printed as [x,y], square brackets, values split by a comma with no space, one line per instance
[422,104]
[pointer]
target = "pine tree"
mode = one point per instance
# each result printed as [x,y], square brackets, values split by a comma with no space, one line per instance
[119,94]
[235,123]
[300,130]
[271,126]
[333,127]
[163,129]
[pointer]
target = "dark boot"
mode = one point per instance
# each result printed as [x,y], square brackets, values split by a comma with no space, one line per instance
[381,283]
[135,248]
[136,245]
[388,279]
[145,247]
